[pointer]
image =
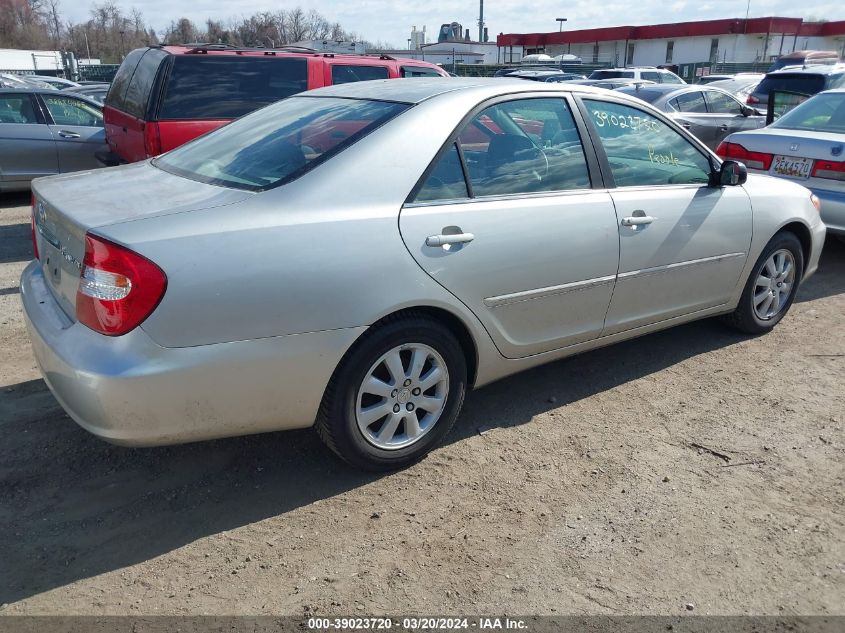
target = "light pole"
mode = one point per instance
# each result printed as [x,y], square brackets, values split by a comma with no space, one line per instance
[560,22]
[409,43]
[122,46]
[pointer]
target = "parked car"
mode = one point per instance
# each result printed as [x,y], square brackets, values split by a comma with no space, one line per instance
[806,145]
[96,92]
[45,131]
[59,83]
[357,257]
[548,76]
[162,97]
[804,58]
[657,75]
[709,113]
[10,80]
[709,79]
[742,84]
[809,80]
[612,84]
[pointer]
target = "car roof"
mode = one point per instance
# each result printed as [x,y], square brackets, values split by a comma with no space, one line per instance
[282,52]
[416,90]
[50,92]
[812,69]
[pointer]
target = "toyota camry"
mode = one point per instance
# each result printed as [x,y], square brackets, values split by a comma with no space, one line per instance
[357,257]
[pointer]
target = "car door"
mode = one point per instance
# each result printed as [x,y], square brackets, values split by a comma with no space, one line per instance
[507,220]
[27,148]
[729,116]
[77,128]
[683,243]
[690,112]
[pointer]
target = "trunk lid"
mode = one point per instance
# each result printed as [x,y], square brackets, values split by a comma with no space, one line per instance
[68,206]
[780,141]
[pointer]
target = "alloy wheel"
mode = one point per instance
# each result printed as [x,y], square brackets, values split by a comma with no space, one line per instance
[402,396]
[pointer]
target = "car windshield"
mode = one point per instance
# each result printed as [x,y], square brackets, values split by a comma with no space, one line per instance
[822,113]
[278,143]
[805,83]
[612,74]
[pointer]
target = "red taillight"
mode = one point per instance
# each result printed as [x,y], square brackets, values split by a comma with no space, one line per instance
[152,139]
[752,160]
[118,288]
[829,169]
[34,238]
[751,100]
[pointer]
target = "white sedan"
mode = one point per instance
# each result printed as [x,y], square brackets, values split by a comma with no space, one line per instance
[806,145]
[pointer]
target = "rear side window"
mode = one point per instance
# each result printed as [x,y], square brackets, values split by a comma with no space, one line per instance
[141,85]
[278,143]
[689,102]
[17,109]
[804,83]
[521,146]
[227,87]
[345,74]
[117,92]
[419,71]
[650,76]
[669,78]
[643,151]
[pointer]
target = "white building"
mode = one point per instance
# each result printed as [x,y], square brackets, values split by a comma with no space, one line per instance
[731,40]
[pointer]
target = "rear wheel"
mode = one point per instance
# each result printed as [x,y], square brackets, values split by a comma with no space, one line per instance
[770,290]
[396,394]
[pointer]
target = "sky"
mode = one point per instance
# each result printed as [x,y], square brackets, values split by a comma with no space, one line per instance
[391,21]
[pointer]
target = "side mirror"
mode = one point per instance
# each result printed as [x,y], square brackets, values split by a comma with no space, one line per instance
[732,173]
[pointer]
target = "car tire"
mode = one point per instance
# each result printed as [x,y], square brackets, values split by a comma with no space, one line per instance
[420,399]
[762,305]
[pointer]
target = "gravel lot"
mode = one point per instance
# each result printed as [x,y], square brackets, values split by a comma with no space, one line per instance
[585,492]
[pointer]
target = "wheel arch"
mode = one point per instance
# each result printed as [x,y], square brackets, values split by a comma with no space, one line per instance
[453,322]
[802,232]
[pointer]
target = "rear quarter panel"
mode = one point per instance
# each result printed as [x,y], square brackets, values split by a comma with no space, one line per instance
[172,134]
[124,134]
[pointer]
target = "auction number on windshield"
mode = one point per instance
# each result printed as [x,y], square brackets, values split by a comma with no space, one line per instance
[629,122]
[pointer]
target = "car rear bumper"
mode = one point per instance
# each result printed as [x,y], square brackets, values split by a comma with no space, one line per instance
[833,209]
[129,390]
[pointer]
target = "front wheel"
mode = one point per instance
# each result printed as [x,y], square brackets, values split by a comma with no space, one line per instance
[396,394]
[770,290]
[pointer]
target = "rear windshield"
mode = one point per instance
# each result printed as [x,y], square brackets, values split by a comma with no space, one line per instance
[226,87]
[279,143]
[822,113]
[805,83]
[649,96]
[612,74]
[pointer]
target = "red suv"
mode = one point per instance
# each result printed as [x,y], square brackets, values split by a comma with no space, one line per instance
[164,96]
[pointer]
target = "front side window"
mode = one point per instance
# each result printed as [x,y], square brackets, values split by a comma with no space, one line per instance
[720,103]
[644,151]
[226,87]
[68,111]
[17,109]
[278,143]
[345,74]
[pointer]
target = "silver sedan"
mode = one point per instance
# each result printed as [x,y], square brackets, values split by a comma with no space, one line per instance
[357,257]
[805,145]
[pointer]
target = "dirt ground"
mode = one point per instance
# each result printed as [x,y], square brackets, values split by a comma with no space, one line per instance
[585,493]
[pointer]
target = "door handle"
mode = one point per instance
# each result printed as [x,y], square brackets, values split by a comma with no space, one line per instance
[638,220]
[66,134]
[724,128]
[443,240]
